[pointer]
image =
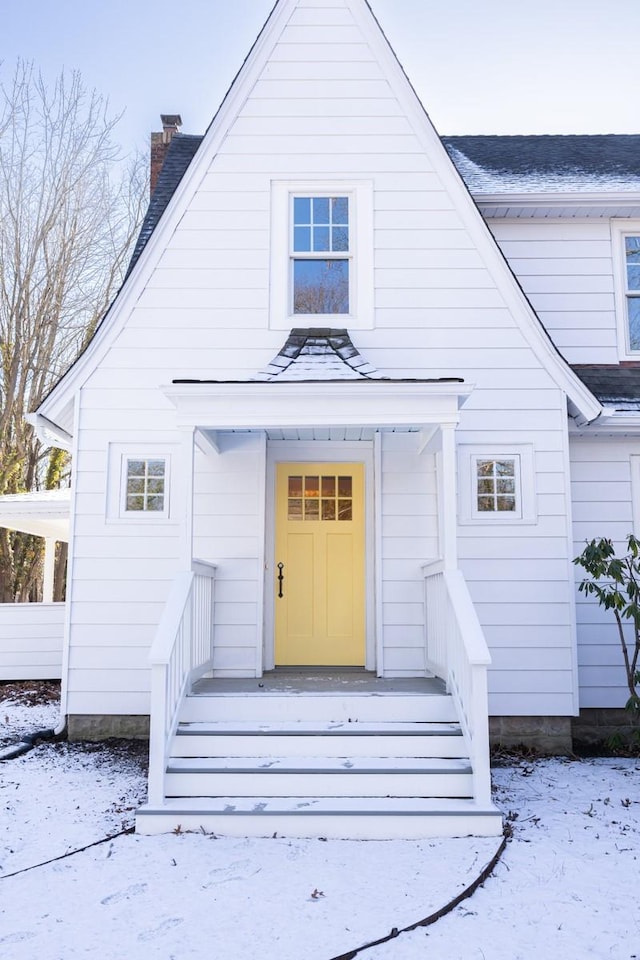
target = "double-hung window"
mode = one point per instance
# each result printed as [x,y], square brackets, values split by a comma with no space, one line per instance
[632,289]
[321,254]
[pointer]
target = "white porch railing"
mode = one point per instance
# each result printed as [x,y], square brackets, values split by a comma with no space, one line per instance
[182,651]
[457,651]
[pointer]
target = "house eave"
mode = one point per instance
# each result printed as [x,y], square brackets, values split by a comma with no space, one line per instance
[558,205]
[261,406]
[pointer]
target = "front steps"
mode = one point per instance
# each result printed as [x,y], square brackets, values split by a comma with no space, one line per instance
[380,764]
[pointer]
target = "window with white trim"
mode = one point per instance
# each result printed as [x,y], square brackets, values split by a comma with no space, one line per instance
[321,254]
[632,289]
[144,485]
[626,257]
[138,483]
[496,484]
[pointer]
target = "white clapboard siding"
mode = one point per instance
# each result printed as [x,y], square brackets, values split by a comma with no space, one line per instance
[322,108]
[31,641]
[566,270]
[602,507]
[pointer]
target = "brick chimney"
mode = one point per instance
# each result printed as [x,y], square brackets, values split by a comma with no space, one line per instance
[171,123]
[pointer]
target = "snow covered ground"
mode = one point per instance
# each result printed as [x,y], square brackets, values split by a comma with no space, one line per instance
[565,887]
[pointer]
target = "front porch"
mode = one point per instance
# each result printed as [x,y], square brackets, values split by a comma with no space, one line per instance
[237,747]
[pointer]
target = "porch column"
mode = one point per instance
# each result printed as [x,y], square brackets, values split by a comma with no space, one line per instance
[448,496]
[49,569]
[184,495]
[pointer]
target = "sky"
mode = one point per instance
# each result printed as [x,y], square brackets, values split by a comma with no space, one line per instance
[479,66]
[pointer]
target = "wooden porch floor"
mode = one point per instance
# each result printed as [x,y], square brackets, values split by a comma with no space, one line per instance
[320,681]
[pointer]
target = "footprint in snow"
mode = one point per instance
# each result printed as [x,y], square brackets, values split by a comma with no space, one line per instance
[160,930]
[132,891]
[18,937]
[239,870]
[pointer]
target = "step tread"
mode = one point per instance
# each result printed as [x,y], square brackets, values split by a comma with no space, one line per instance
[318,765]
[309,806]
[312,728]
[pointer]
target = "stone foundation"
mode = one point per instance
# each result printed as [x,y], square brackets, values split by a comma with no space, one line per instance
[549,735]
[100,727]
[596,725]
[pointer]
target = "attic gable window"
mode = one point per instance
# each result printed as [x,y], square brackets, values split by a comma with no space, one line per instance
[321,254]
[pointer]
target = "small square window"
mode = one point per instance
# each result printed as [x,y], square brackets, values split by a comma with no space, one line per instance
[496,485]
[144,486]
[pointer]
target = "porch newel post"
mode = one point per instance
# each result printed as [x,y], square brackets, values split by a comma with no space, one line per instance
[184,499]
[447,490]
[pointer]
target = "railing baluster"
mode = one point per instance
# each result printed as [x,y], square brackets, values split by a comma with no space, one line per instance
[182,651]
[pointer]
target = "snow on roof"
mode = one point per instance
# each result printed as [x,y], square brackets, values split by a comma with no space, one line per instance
[318,353]
[616,386]
[43,513]
[547,164]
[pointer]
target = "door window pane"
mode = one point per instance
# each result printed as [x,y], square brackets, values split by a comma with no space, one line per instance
[328,498]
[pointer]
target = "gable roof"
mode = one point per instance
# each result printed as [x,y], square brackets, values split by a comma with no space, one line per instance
[187,175]
[181,152]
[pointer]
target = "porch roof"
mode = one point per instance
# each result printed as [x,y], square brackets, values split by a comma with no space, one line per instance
[382,404]
[42,513]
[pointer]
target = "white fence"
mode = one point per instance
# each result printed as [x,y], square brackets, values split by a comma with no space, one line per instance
[181,653]
[31,641]
[457,651]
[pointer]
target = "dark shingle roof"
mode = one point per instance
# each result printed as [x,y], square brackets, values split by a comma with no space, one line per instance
[543,164]
[487,164]
[318,353]
[615,386]
[181,152]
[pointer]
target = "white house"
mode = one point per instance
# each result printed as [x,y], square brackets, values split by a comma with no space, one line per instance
[357,405]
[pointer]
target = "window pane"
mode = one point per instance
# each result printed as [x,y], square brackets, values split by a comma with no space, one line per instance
[340,210]
[302,239]
[340,239]
[505,468]
[344,510]
[321,238]
[506,504]
[135,468]
[135,503]
[312,486]
[506,486]
[302,210]
[328,509]
[295,510]
[633,310]
[155,468]
[155,503]
[344,487]
[295,486]
[328,486]
[633,277]
[485,504]
[311,509]
[485,486]
[320,286]
[135,485]
[321,210]
[485,468]
[155,486]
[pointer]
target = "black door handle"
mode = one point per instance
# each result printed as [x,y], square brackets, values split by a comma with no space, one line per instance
[280,579]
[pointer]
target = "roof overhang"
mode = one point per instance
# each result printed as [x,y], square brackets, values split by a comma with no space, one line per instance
[550,205]
[261,406]
[42,514]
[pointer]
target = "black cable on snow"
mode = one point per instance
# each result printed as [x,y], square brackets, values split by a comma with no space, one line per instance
[26,742]
[484,874]
[70,853]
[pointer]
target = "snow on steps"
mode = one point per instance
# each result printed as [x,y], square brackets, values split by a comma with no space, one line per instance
[363,766]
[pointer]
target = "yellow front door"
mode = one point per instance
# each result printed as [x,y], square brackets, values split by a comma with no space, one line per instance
[320,563]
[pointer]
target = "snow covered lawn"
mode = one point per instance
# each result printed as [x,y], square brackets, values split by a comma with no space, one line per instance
[565,887]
